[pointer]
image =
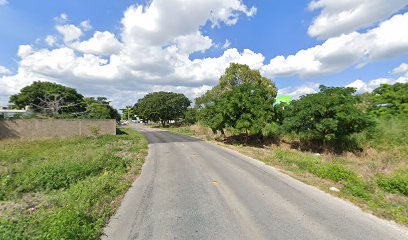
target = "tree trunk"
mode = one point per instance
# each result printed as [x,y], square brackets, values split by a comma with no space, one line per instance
[222,133]
[246,136]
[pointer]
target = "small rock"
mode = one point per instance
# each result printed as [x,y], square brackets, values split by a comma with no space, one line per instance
[334,189]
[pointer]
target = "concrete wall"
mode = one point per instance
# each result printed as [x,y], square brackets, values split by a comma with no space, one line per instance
[27,128]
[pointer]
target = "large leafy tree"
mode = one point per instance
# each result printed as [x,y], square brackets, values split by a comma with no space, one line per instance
[327,116]
[162,107]
[390,100]
[49,97]
[242,100]
[100,108]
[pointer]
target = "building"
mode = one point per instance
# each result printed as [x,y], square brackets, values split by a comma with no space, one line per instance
[12,113]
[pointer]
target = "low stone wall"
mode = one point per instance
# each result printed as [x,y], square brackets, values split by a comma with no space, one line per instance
[31,128]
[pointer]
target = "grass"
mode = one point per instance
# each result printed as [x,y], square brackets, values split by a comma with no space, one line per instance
[391,135]
[375,179]
[65,188]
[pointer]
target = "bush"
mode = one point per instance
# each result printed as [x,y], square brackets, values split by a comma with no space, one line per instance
[395,183]
[328,116]
[190,116]
[271,130]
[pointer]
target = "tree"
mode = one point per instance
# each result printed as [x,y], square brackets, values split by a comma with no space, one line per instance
[49,98]
[327,116]
[242,100]
[390,100]
[162,107]
[190,116]
[99,108]
[128,112]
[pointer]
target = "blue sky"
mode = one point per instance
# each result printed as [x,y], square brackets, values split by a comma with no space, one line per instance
[125,49]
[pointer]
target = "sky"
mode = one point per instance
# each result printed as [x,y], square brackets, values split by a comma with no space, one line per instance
[125,49]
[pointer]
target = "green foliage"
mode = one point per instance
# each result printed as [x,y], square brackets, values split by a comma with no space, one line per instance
[395,183]
[242,100]
[271,130]
[390,100]
[162,106]
[364,101]
[99,108]
[78,179]
[328,116]
[190,116]
[31,96]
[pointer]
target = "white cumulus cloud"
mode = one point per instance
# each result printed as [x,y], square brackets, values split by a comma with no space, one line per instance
[368,86]
[151,52]
[69,32]
[101,43]
[401,69]
[296,92]
[338,53]
[4,70]
[50,40]
[86,25]
[345,16]
[163,20]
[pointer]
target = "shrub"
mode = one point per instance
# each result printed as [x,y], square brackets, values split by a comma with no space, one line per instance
[395,183]
[271,130]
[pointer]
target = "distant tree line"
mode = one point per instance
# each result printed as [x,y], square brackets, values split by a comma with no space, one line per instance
[243,102]
[51,100]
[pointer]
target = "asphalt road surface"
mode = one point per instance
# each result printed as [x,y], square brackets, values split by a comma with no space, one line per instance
[192,189]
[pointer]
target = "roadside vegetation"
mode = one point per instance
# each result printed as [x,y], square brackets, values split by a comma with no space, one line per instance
[355,144]
[65,188]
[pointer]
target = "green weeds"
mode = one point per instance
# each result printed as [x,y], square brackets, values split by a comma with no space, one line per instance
[78,182]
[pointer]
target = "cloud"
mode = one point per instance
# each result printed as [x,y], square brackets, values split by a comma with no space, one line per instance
[86,25]
[193,43]
[50,40]
[345,16]
[3,2]
[296,92]
[62,18]
[338,53]
[69,32]
[151,53]
[101,43]
[4,70]
[163,20]
[24,50]
[227,44]
[401,69]
[369,86]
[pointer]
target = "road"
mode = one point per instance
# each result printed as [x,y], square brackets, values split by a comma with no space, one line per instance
[192,189]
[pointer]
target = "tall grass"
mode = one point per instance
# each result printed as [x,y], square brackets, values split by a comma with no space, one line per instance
[65,188]
[389,134]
